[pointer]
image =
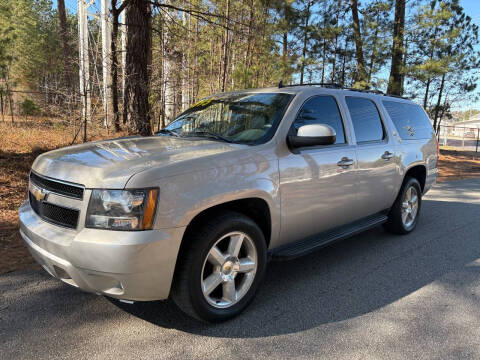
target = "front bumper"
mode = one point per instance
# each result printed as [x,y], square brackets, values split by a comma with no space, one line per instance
[131,265]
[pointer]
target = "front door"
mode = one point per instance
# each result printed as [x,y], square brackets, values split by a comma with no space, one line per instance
[317,184]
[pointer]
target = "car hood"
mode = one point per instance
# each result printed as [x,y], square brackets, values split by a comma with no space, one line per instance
[110,163]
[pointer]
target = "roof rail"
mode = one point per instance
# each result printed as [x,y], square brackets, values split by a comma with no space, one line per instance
[397,96]
[338,86]
[373,91]
[329,85]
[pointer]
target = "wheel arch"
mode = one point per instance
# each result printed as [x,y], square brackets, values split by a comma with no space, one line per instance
[418,172]
[256,208]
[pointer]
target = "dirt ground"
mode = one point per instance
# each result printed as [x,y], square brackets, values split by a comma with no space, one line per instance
[455,165]
[21,144]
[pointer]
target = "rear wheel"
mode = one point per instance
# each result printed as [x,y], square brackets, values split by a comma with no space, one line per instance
[221,268]
[405,211]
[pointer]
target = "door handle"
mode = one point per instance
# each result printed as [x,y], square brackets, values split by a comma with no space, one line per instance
[387,155]
[345,162]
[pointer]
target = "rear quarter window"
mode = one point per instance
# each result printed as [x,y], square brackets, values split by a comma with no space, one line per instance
[410,120]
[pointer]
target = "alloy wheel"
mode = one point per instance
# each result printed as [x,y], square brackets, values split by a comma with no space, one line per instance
[229,269]
[410,207]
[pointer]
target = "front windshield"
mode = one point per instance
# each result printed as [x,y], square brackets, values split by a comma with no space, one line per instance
[237,117]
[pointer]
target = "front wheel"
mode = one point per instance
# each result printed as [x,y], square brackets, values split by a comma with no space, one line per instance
[405,211]
[220,268]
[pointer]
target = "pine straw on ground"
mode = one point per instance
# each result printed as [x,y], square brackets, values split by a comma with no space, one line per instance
[455,165]
[22,143]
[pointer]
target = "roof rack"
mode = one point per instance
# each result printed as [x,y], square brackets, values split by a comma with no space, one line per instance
[397,96]
[373,91]
[338,86]
[329,85]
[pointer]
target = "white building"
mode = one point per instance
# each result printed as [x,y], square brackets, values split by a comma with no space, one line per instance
[468,127]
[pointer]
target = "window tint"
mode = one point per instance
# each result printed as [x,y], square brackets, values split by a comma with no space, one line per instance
[322,110]
[409,119]
[366,119]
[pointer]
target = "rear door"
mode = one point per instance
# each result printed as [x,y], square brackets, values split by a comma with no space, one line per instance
[376,156]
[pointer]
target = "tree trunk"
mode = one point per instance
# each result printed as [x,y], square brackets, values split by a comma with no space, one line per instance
[404,64]
[137,73]
[114,66]
[324,57]
[168,72]
[374,52]
[225,47]
[285,33]
[249,42]
[11,105]
[395,81]
[361,75]
[344,60]
[9,96]
[195,84]
[305,39]
[1,104]
[67,63]
[324,45]
[334,59]
[442,114]
[185,66]
[439,100]
[429,78]
[427,89]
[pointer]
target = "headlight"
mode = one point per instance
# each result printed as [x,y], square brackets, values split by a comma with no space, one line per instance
[122,209]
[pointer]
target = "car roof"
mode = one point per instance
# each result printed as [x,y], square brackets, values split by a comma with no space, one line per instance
[317,89]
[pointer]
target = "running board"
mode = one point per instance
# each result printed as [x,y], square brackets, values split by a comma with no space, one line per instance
[312,243]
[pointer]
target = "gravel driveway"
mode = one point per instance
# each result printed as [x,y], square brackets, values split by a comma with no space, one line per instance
[373,296]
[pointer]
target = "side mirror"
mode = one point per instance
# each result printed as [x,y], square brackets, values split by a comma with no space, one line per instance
[313,135]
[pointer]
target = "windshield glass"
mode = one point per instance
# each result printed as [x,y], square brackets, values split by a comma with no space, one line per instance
[237,117]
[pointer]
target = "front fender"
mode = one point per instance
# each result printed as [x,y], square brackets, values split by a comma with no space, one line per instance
[184,196]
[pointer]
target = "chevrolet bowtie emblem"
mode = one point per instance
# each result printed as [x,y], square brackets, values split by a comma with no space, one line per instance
[39,194]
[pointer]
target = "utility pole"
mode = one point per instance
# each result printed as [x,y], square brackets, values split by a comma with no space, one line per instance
[106,45]
[84,71]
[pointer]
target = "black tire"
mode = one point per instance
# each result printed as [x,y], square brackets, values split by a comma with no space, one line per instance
[187,289]
[395,224]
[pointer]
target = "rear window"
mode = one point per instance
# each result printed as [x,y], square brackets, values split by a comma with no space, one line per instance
[365,118]
[410,120]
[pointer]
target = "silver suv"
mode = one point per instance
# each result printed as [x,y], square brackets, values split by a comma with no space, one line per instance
[194,212]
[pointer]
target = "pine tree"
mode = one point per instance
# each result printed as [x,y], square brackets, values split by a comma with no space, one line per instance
[395,85]
[136,104]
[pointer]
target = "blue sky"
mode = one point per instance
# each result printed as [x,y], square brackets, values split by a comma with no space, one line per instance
[472,8]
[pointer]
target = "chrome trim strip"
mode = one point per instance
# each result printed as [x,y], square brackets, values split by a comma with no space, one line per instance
[79,186]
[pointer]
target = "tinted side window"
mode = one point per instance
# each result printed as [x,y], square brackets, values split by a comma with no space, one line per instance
[409,119]
[321,110]
[366,119]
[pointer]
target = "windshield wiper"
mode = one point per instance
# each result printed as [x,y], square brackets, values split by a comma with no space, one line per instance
[206,133]
[168,132]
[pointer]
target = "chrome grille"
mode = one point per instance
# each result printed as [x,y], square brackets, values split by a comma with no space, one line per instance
[61,188]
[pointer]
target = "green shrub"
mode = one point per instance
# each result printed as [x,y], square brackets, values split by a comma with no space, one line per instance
[29,108]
